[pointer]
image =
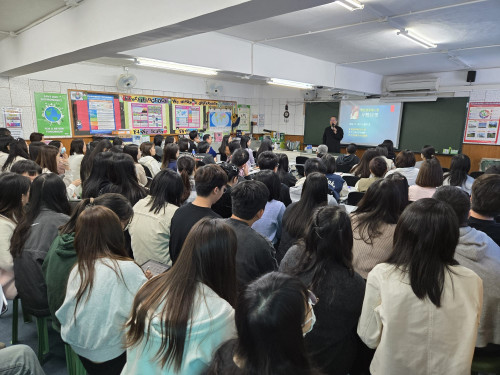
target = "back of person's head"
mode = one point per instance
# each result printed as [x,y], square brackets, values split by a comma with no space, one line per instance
[267,160]
[382,150]
[183,145]
[244,141]
[272,182]
[322,150]
[248,198]
[193,134]
[169,139]
[157,140]
[34,149]
[116,150]
[405,159]
[424,246]
[115,202]
[224,143]
[170,152]
[457,199]
[459,168]
[47,191]
[203,147]
[4,132]
[14,189]
[430,173]
[27,168]
[389,145]
[5,140]
[351,148]
[56,144]
[186,165]
[485,196]
[117,141]
[240,157]
[314,165]
[147,148]
[166,187]
[428,152]
[99,174]
[132,150]
[383,203]
[77,147]
[265,145]
[234,145]
[36,137]
[88,160]
[269,317]
[362,169]
[17,148]
[378,166]
[494,169]
[232,172]
[329,163]
[283,165]
[47,158]
[402,185]
[123,179]
[207,257]
[207,178]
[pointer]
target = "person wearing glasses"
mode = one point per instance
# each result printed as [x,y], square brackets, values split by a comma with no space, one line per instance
[322,260]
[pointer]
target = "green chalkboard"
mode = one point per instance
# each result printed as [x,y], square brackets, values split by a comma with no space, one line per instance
[440,124]
[317,119]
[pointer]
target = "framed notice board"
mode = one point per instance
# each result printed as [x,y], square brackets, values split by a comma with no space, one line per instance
[317,119]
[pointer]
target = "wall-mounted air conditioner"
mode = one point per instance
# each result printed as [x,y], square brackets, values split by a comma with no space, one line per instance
[412,86]
[310,94]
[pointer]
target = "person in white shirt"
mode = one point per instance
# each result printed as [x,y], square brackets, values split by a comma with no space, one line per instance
[77,151]
[147,159]
[405,164]
[421,308]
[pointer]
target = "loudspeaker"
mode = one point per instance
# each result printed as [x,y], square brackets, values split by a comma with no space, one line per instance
[471,76]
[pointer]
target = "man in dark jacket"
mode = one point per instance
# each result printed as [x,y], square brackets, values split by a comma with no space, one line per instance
[333,135]
[345,162]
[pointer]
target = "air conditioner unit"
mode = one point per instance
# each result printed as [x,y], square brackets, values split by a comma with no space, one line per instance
[412,86]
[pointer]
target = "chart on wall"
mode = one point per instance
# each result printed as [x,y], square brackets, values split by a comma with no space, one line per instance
[482,125]
[52,118]
[187,116]
[96,113]
[13,121]
[147,114]
[244,113]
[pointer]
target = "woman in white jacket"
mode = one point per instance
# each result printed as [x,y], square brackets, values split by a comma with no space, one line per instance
[147,159]
[180,318]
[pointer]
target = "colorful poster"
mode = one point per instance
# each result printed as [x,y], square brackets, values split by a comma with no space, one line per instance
[218,136]
[101,113]
[13,121]
[244,113]
[52,118]
[147,115]
[220,119]
[187,116]
[482,125]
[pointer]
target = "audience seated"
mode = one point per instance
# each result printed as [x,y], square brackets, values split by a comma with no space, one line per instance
[5,140]
[427,153]
[478,252]
[170,155]
[389,145]
[194,139]
[223,206]
[272,315]
[374,222]
[362,170]
[98,177]
[405,164]
[383,153]
[378,167]
[255,255]
[269,225]
[265,145]
[150,227]
[245,143]
[284,171]
[240,159]
[335,182]
[485,205]
[421,309]
[208,138]
[46,211]
[133,150]
[61,256]
[34,149]
[224,147]
[186,166]
[345,162]
[27,168]
[17,151]
[429,177]
[157,141]
[210,182]
[183,145]
[321,151]
[100,291]
[180,318]
[62,157]
[458,174]
[147,159]
[88,160]
[37,137]
[298,214]
[268,160]
[323,262]
[311,165]
[233,146]
[203,154]
[19,360]
[14,193]
[77,151]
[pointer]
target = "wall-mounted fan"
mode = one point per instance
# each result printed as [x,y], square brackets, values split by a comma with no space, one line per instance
[126,81]
[213,89]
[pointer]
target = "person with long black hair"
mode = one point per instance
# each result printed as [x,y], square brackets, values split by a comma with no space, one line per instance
[133,150]
[362,169]
[179,318]
[265,145]
[458,174]
[98,178]
[88,160]
[223,206]
[17,151]
[323,262]
[150,227]
[272,315]
[284,171]
[421,309]
[47,209]
[170,155]
[224,147]
[245,142]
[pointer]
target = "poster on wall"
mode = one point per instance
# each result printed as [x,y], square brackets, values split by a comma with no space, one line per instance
[52,118]
[244,113]
[220,120]
[187,116]
[146,114]
[482,125]
[101,113]
[13,121]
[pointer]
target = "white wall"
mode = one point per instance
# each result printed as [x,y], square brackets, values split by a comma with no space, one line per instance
[263,99]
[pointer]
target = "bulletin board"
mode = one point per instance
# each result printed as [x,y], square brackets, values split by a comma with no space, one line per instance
[483,123]
[147,114]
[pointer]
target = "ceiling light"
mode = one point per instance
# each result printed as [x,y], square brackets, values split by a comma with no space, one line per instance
[175,66]
[416,39]
[284,82]
[350,4]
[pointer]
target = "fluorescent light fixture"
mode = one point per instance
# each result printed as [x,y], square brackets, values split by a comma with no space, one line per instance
[284,82]
[152,63]
[416,39]
[397,99]
[350,4]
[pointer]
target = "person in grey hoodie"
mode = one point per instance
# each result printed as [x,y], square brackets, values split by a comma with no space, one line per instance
[478,252]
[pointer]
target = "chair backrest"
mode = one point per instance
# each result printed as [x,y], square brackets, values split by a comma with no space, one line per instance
[354,197]
[476,174]
[350,180]
[301,159]
[344,168]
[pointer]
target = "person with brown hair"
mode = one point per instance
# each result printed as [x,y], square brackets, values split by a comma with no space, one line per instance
[100,291]
[47,159]
[429,177]
[147,160]
[362,169]
[378,167]
[170,155]
[181,317]
[405,164]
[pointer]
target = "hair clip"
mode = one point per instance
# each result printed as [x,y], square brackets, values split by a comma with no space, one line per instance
[91,203]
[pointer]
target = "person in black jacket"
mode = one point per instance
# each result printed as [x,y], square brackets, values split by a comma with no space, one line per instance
[223,206]
[345,162]
[333,135]
[269,160]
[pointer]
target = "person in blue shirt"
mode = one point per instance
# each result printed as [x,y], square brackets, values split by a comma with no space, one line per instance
[208,138]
